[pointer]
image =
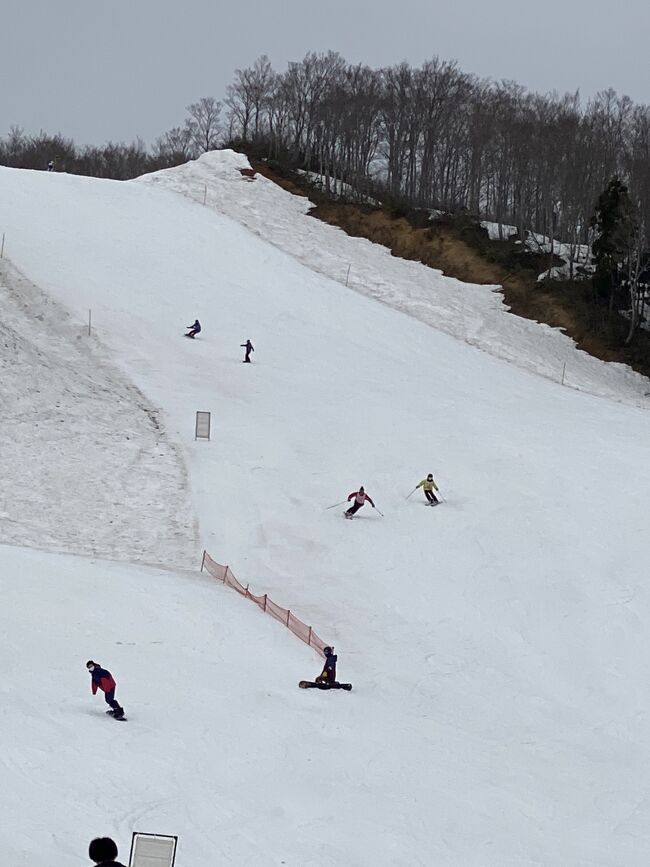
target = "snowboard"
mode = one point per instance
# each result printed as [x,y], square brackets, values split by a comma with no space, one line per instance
[310,684]
[116,718]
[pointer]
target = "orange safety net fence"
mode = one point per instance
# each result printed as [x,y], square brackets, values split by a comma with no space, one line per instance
[301,630]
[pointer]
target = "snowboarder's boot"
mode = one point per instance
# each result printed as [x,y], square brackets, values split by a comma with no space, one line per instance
[118,713]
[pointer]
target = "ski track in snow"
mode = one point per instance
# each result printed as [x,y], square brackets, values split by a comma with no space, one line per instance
[87,466]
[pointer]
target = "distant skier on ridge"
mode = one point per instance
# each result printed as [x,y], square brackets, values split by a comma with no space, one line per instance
[194,329]
[248,346]
[360,499]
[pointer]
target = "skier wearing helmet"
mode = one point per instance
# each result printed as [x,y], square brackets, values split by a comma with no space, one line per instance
[328,674]
[429,485]
[360,498]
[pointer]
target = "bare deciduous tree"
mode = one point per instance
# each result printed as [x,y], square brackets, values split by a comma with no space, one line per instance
[203,123]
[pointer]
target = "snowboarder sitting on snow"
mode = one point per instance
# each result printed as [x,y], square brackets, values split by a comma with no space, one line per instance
[103,851]
[248,346]
[428,485]
[194,329]
[328,674]
[360,498]
[103,679]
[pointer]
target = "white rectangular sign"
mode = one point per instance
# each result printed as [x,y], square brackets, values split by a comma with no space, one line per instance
[202,430]
[152,850]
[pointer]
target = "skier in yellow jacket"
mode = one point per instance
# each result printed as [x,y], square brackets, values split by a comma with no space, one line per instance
[429,486]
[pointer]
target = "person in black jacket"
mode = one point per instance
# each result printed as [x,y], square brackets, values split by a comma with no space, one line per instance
[248,346]
[103,851]
[194,329]
[328,674]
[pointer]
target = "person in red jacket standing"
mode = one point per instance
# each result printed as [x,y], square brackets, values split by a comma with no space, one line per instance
[102,679]
[360,498]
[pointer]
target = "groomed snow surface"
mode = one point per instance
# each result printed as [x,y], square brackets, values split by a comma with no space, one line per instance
[498,644]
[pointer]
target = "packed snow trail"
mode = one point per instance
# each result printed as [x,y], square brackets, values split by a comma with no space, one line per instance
[497,644]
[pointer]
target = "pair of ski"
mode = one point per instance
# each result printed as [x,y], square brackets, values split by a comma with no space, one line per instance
[311,684]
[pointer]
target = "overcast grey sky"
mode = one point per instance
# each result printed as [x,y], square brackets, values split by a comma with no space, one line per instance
[116,69]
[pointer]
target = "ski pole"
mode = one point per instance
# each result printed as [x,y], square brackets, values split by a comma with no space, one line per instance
[336,504]
[412,492]
[379,510]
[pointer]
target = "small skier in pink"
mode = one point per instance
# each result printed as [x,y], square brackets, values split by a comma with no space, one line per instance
[360,498]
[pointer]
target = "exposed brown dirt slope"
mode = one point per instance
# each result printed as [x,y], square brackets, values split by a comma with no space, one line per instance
[456,250]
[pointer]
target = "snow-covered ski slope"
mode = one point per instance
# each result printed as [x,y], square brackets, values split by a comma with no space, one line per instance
[471,313]
[498,644]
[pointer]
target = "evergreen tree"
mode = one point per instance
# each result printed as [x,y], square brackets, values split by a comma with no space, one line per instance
[615,224]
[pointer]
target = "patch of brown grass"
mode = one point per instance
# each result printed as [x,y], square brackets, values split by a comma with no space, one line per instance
[560,305]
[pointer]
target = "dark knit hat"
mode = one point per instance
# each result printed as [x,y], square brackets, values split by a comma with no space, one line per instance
[102,849]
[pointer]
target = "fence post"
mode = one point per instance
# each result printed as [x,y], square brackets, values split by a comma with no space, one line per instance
[225,575]
[203,560]
[563,372]
[247,594]
[89,321]
[2,246]
[309,639]
[265,597]
[288,616]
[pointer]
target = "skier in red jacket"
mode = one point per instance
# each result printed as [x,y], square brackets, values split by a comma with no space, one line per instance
[102,679]
[360,498]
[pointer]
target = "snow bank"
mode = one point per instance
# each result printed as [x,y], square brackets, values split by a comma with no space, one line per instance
[87,464]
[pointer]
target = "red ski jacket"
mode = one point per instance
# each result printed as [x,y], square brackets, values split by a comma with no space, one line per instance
[102,679]
[361,498]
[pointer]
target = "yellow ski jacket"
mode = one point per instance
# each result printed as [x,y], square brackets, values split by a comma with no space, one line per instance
[427,485]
